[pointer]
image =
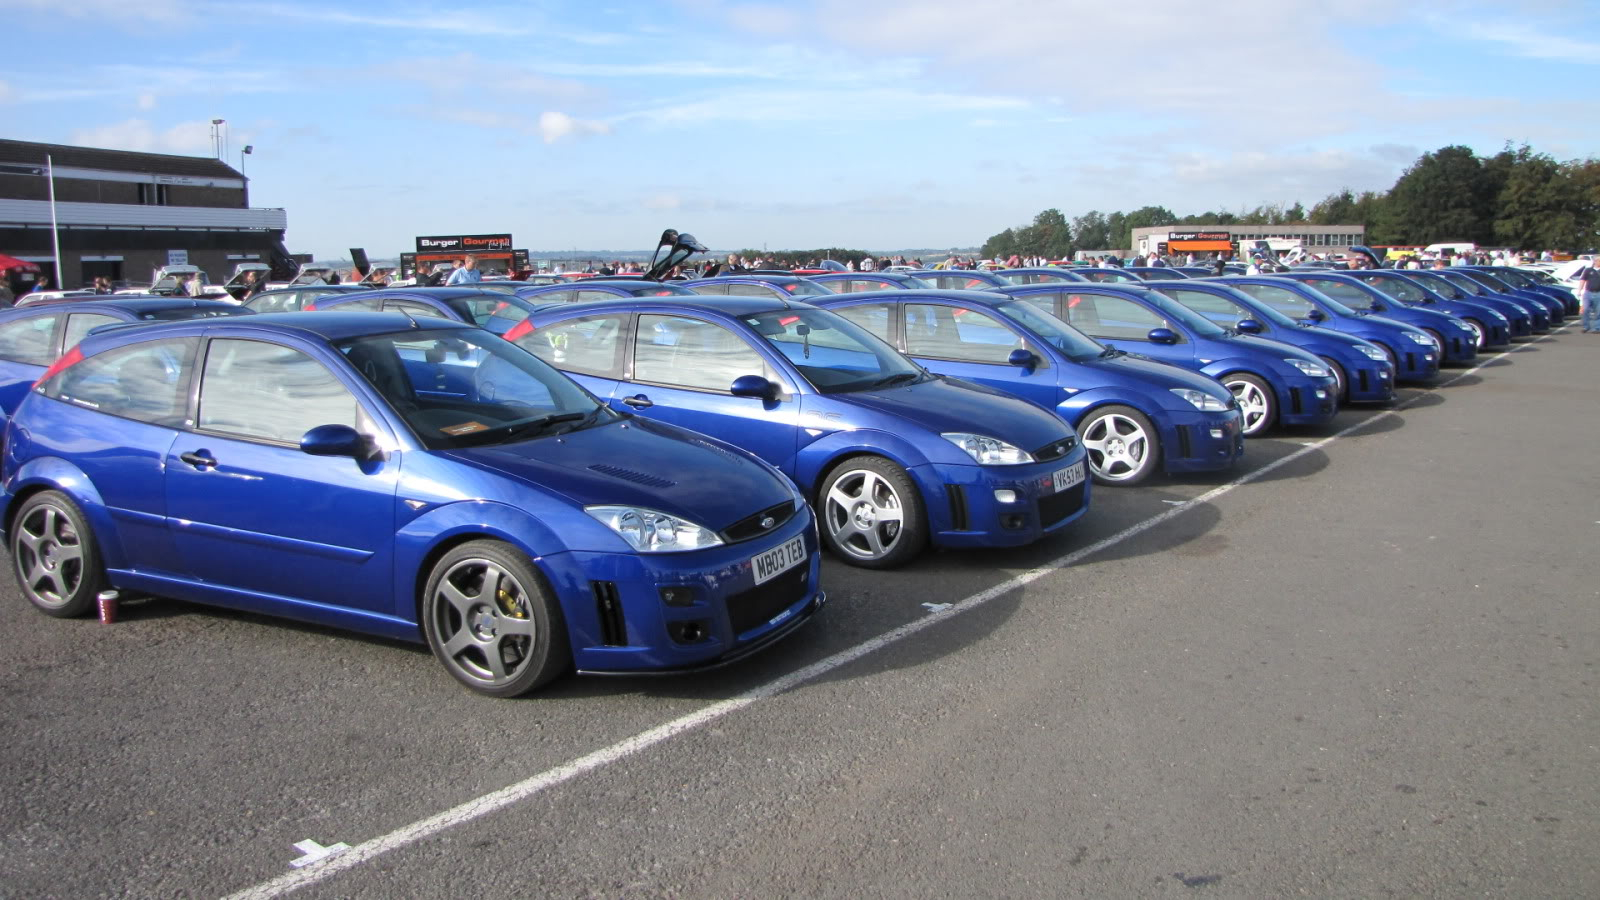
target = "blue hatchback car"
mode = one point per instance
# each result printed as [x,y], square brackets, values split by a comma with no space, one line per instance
[1410,350]
[892,457]
[756,285]
[1554,309]
[33,337]
[1452,339]
[1538,318]
[1274,383]
[1361,370]
[1523,280]
[1134,415]
[856,282]
[420,480]
[492,311]
[1490,328]
[598,289]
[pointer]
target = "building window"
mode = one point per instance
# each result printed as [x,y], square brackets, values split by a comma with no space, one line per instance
[153,194]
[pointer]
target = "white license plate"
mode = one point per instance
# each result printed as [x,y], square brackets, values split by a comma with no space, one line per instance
[1061,479]
[778,560]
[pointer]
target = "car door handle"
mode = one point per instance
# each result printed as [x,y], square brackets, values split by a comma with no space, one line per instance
[198,459]
[638,401]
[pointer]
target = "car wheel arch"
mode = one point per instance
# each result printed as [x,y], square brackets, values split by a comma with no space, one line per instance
[55,474]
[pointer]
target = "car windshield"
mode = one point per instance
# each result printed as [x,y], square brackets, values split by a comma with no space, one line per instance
[1513,277]
[1464,283]
[1348,294]
[1440,286]
[1176,311]
[192,312]
[495,314]
[1489,281]
[1072,343]
[833,353]
[463,387]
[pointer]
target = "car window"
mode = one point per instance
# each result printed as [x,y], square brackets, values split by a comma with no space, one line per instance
[553,297]
[874,317]
[949,332]
[1281,299]
[255,389]
[276,301]
[29,340]
[1110,318]
[752,290]
[146,381]
[831,352]
[588,294]
[715,290]
[78,325]
[1348,294]
[691,353]
[1398,288]
[413,309]
[494,314]
[1218,309]
[591,344]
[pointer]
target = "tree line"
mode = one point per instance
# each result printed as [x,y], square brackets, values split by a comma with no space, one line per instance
[1516,198]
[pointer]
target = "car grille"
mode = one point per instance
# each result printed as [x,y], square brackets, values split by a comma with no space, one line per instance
[750,526]
[752,608]
[1058,506]
[1055,449]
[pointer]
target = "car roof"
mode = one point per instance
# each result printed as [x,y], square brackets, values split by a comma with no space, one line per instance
[733,306]
[747,278]
[436,293]
[136,305]
[975,298]
[338,326]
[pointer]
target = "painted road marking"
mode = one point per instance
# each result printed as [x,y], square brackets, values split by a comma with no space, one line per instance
[937,607]
[315,852]
[644,740]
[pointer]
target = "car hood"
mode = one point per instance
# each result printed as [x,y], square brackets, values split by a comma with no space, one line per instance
[1268,345]
[640,463]
[949,404]
[1168,376]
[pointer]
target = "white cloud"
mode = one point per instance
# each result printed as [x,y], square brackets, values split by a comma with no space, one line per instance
[146,101]
[553,126]
[466,74]
[138,134]
[1529,41]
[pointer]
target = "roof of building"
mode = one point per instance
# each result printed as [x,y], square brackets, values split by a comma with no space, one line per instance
[30,153]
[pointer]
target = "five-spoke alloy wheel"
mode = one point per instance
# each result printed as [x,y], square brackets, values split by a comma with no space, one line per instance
[1123,446]
[872,513]
[1256,401]
[489,619]
[55,556]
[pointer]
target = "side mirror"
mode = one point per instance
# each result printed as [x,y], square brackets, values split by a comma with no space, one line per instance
[1163,336]
[1023,359]
[1249,326]
[337,440]
[753,386]
[1376,307]
[1316,315]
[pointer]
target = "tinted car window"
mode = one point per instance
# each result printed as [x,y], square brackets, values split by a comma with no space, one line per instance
[147,381]
[255,389]
[413,309]
[1218,309]
[554,297]
[831,352]
[753,290]
[1348,294]
[691,353]
[591,345]
[1399,288]
[874,317]
[78,325]
[29,340]
[715,290]
[948,332]
[275,301]
[1111,318]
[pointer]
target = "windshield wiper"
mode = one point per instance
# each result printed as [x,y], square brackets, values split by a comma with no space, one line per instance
[1111,351]
[588,419]
[533,425]
[896,378]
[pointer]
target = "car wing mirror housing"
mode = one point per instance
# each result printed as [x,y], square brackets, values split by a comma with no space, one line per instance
[1023,358]
[753,386]
[1249,326]
[1163,336]
[339,440]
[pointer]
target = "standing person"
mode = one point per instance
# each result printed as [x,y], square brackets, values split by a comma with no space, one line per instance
[253,285]
[467,274]
[1589,293]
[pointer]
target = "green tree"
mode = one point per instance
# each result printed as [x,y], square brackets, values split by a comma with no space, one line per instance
[1089,231]
[1443,196]
[1143,217]
[1338,208]
[1001,245]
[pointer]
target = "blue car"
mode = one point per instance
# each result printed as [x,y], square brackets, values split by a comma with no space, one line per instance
[1517,320]
[490,310]
[34,337]
[855,282]
[1555,309]
[1453,340]
[1490,327]
[1040,275]
[1109,276]
[424,481]
[1134,415]
[1361,371]
[1538,316]
[962,279]
[1526,281]
[295,299]
[1410,350]
[892,457]
[597,289]
[1273,383]
[755,285]
[1159,273]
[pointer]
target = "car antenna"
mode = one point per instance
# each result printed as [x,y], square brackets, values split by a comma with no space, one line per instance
[413,322]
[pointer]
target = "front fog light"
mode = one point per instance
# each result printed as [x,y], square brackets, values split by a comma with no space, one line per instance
[1428,357]
[1216,434]
[1322,394]
[1005,496]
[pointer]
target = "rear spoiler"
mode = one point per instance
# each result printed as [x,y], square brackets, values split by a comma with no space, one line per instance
[681,247]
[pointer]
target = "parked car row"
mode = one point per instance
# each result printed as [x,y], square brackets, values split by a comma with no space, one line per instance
[626,475]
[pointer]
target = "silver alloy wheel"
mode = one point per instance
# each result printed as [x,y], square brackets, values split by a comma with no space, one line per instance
[1478,334]
[49,556]
[484,622]
[1337,371]
[1117,447]
[1253,404]
[864,514]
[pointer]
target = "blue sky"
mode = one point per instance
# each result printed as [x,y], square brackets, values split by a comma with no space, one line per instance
[877,125]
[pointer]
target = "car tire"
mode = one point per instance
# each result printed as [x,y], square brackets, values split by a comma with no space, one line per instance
[1123,446]
[1341,382]
[55,557]
[872,513]
[490,619]
[1480,334]
[1439,340]
[1256,401]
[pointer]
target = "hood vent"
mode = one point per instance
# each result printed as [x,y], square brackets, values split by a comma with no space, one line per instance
[630,475]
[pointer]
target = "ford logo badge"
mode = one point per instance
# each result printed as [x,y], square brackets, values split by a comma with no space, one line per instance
[768,522]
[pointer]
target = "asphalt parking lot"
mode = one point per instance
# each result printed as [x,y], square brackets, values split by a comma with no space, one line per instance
[1365,663]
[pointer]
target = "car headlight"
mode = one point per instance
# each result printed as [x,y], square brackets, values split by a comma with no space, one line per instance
[1499,317]
[988,451]
[1315,370]
[1201,400]
[650,531]
[1418,337]
[1372,352]
[1463,326]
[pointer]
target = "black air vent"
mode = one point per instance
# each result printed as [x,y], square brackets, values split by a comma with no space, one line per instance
[654,481]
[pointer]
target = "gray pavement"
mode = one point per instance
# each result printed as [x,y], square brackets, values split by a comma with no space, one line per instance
[1370,671]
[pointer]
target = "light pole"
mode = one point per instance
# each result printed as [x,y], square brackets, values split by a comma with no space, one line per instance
[248,150]
[219,146]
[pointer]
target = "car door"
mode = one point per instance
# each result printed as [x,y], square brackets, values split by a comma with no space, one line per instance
[27,347]
[252,513]
[977,346]
[1125,324]
[588,348]
[682,367]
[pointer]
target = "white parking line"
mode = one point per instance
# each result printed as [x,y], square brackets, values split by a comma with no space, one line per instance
[644,740]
